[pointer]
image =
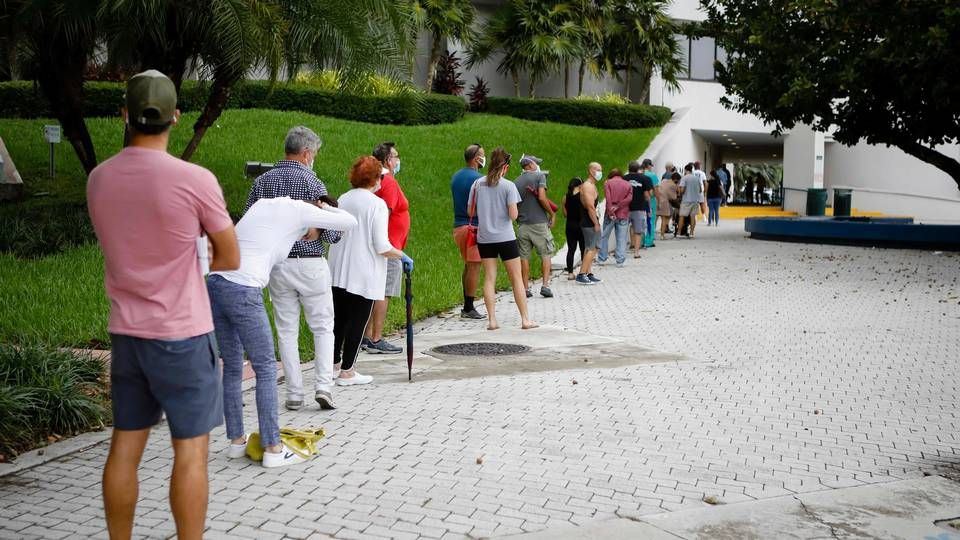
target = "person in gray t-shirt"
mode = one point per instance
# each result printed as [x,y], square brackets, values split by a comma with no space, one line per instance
[690,191]
[534,220]
[494,200]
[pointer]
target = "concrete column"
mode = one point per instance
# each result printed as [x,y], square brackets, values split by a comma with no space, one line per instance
[803,150]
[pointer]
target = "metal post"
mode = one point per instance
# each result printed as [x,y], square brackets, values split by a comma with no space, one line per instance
[52,160]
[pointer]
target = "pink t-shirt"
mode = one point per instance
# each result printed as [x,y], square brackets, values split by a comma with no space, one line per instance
[148,208]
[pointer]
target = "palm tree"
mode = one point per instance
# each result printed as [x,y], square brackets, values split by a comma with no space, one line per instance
[443,19]
[639,37]
[57,37]
[534,36]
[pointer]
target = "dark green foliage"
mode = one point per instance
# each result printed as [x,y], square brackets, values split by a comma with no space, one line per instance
[48,392]
[33,231]
[21,100]
[879,71]
[581,113]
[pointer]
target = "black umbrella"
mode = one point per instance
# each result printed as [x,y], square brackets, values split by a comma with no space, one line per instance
[409,298]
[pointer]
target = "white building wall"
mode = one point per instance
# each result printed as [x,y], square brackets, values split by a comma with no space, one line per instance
[885,179]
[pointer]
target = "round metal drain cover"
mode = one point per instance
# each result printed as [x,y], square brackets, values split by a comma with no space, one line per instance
[481,349]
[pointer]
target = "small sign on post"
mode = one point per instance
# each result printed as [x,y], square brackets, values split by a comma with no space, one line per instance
[52,136]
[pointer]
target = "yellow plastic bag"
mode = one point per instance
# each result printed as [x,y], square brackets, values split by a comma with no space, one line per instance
[301,441]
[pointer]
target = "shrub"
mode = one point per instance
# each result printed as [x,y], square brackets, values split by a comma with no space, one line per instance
[21,99]
[48,392]
[609,97]
[478,95]
[581,112]
[372,84]
[33,231]
[447,79]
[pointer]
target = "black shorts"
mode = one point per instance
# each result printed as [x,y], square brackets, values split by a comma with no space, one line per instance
[181,378]
[505,250]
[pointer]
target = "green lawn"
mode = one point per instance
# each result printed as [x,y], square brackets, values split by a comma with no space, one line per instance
[60,299]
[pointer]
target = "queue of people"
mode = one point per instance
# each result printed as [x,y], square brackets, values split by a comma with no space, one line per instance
[335,261]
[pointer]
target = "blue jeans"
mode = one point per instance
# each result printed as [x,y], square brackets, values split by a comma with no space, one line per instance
[713,216]
[622,228]
[241,324]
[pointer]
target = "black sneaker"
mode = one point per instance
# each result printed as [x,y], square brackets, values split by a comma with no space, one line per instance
[594,278]
[529,294]
[472,314]
[546,292]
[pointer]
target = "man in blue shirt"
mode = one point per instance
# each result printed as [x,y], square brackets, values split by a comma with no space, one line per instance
[460,186]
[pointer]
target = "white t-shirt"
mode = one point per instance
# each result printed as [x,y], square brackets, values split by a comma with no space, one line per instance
[268,230]
[703,184]
[356,263]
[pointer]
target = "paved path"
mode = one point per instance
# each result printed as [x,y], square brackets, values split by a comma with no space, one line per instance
[819,367]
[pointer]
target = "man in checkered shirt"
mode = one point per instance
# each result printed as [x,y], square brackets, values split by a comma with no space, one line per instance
[304,277]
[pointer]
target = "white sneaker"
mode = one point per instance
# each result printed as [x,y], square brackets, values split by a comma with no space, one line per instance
[284,457]
[356,379]
[236,451]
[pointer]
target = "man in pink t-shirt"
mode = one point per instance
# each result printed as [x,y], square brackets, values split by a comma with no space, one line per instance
[149,209]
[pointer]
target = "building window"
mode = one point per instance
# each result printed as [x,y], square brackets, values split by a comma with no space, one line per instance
[698,54]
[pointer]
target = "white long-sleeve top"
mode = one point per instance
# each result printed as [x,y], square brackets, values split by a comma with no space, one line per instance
[356,263]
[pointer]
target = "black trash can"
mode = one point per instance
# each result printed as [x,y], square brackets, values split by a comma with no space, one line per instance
[816,201]
[842,202]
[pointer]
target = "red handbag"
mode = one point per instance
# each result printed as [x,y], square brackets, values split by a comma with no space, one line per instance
[472,229]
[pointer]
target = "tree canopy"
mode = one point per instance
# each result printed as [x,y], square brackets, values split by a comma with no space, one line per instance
[881,71]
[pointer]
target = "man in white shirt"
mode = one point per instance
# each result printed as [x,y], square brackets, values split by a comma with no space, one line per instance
[265,234]
[702,176]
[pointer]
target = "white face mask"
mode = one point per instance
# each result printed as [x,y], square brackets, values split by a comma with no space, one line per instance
[597,175]
[483,161]
[310,164]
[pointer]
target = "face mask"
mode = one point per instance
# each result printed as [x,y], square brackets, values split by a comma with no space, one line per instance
[376,188]
[597,175]
[483,162]
[310,164]
[396,169]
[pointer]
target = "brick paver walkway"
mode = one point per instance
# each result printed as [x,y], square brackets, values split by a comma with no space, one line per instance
[822,367]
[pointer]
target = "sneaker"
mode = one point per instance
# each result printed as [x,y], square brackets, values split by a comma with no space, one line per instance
[529,294]
[365,343]
[236,451]
[355,380]
[620,264]
[284,457]
[546,292]
[600,262]
[383,347]
[293,404]
[325,400]
[582,279]
[472,314]
[594,278]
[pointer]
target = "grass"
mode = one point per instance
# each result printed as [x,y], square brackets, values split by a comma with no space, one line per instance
[60,300]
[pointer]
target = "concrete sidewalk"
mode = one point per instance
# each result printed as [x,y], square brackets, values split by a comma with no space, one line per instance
[923,509]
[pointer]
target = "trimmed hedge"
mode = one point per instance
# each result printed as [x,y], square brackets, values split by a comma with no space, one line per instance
[22,99]
[581,112]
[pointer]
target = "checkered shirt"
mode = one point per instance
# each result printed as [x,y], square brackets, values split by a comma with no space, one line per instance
[292,179]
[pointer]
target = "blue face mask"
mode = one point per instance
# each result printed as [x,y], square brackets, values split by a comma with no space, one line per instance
[396,169]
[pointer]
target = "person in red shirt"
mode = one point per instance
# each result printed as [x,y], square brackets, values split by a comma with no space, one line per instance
[398,228]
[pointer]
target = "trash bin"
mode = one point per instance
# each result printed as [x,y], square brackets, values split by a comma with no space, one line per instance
[816,201]
[842,202]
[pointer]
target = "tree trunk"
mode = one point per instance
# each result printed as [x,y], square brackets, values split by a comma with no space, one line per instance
[61,81]
[628,77]
[566,80]
[583,71]
[516,82]
[645,84]
[216,103]
[432,63]
[925,153]
[530,87]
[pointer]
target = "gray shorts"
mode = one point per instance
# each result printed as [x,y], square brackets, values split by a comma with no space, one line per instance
[394,277]
[590,238]
[639,220]
[179,377]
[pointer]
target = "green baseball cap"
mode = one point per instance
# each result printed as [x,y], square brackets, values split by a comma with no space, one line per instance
[151,98]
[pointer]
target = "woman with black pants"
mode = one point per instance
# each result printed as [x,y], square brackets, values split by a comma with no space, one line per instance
[358,268]
[572,209]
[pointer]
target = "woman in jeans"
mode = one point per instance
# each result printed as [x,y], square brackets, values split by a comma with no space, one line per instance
[358,268]
[715,196]
[494,200]
[572,210]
